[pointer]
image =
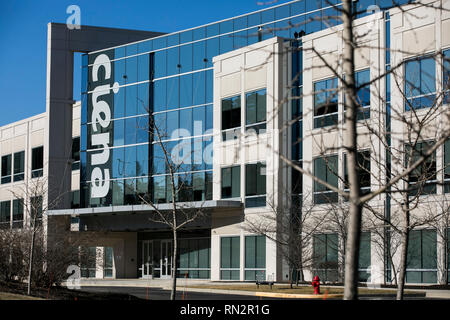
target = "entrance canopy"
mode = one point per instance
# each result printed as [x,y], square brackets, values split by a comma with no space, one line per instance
[132,209]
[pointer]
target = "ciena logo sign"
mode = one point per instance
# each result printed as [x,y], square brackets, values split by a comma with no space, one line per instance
[101,118]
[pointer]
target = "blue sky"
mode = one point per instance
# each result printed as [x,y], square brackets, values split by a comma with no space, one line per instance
[23,34]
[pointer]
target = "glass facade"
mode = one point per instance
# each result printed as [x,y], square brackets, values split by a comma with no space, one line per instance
[167,82]
[325,256]
[420,83]
[422,257]
[255,258]
[230,258]
[326,169]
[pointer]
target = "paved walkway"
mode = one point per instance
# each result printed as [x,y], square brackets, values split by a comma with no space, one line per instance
[183,285]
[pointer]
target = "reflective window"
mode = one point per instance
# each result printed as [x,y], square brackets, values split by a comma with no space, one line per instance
[186,58]
[212,30]
[173,61]
[172,124]
[75,154]
[160,64]
[130,162]
[255,106]
[130,131]
[5,214]
[185,36]
[143,100]
[186,121]
[159,162]
[173,39]
[422,180]
[325,256]
[119,104]
[255,185]
[117,163]
[159,189]
[212,50]
[119,133]
[231,182]
[363,159]
[159,95]
[446,77]
[420,83]
[231,117]
[142,131]
[325,103]
[447,166]
[37,162]
[173,93]
[209,117]
[198,115]
[145,46]
[186,90]
[131,69]
[17,213]
[199,55]
[199,33]
[364,257]
[363,94]
[255,258]
[226,43]
[326,169]
[422,257]
[230,258]
[199,87]
[19,164]
[131,100]
[209,86]
[159,126]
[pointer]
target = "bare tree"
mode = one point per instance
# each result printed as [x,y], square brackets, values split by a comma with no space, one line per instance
[181,213]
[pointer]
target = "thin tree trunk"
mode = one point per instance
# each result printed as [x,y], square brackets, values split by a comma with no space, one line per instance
[403,262]
[174,266]
[404,248]
[30,266]
[355,210]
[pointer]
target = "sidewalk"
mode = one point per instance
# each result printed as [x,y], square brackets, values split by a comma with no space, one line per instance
[184,285]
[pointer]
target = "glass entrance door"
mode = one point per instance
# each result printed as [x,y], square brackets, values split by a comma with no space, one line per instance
[166,259]
[147,259]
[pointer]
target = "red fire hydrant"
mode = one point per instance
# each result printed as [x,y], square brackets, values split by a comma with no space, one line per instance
[316,285]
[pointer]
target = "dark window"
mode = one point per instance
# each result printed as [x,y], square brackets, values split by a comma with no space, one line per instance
[37,162]
[325,103]
[363,159]
[363,94]
[17,213]
[6,169]
[19,166]
[255,258]
[420,83]
[231,182]
[422,257]
[255,106]
[364,257]
[325,256]
[447,166]
[231,117]
[422,180]
[255,185]
[326,169]
[5,214]
[75,199]
[36,210]
[76,153]
[230,258]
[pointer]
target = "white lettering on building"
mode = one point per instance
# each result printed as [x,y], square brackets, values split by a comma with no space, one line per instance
[101,118]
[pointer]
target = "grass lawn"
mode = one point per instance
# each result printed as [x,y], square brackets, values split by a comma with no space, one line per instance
[282,288]
[13,296]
